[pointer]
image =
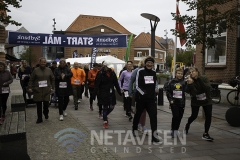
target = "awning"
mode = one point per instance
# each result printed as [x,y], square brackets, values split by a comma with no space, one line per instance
[11,58]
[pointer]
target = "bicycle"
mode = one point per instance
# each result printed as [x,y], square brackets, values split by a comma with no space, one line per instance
[215,92]
[233,96]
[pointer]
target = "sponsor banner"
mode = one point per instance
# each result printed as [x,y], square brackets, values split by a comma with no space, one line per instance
[111,41]
[93,57]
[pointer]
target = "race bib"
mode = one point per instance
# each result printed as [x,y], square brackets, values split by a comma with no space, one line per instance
[126,94]
[63,85]
[177,94]
[5,89]
[23,76]
[42,83]
[77,82]
[201,96]
[148,79]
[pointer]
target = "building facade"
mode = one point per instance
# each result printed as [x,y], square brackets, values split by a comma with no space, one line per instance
[222,61]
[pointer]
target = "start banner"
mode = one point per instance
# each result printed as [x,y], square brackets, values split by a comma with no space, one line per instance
[111,41]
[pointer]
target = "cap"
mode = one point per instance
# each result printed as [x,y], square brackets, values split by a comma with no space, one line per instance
[107,63]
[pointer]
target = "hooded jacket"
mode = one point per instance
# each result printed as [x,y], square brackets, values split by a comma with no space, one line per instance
[175,92]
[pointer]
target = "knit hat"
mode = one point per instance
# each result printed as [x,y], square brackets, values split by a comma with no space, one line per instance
[149,59]
[107,63]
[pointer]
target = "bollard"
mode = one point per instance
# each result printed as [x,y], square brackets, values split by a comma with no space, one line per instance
[160,97]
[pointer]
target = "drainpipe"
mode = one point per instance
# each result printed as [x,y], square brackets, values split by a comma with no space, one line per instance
[238,48]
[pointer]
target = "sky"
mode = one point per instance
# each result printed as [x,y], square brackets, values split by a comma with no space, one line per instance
[37,15]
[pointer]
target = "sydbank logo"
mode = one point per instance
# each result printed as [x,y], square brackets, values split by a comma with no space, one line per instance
[69,138]
[111,40]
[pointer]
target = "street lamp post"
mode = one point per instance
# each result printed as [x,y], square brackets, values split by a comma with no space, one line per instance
[166,47]
[54,23]
[155,19]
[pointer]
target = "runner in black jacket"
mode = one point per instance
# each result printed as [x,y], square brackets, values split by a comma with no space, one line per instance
[145,97]
[176,96]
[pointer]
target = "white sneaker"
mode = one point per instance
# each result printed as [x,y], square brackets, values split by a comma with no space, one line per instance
[140,128]
[64,113]
[61,118]
[145,130]
[79,100]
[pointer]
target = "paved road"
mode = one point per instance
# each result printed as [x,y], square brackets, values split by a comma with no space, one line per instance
[42,145]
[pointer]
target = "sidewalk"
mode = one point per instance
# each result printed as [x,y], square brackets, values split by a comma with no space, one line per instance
[43,146]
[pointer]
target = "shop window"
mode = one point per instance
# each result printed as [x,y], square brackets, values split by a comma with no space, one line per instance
[217,54]
[139,54]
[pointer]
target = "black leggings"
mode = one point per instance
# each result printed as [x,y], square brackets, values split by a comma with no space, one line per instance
[208,116]
[62,103]
[177,114]
[3,103]
[91,90]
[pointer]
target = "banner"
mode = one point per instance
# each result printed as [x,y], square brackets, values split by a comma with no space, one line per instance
[111,41]
[93,57]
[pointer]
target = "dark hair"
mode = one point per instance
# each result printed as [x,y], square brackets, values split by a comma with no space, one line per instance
[95,65]
[54,62]
[130,62]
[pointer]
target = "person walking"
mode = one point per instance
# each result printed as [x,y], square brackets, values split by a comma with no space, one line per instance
[175,92]
[125,77]
[146,97]
[77,80]
[5,80]
[132,90]
[54,97]
[63,87]
[42,84]
[91,79]
[199,89]
[24,71]
[86,70]
[105,82]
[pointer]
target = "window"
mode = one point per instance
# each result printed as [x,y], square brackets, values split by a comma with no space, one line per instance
[156,55]
[217,54]
[160,56]
[139,54]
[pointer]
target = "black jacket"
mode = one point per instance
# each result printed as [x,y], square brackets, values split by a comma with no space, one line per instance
[104,87]
[68,74]
[175,92]
[146,84]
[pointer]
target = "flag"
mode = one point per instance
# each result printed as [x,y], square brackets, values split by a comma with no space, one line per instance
[128,48]
[180,27]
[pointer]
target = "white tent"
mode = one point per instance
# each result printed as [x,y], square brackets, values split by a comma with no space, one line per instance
[117,63]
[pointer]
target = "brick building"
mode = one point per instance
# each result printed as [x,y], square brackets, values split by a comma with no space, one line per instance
[142,48]
[223,61]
